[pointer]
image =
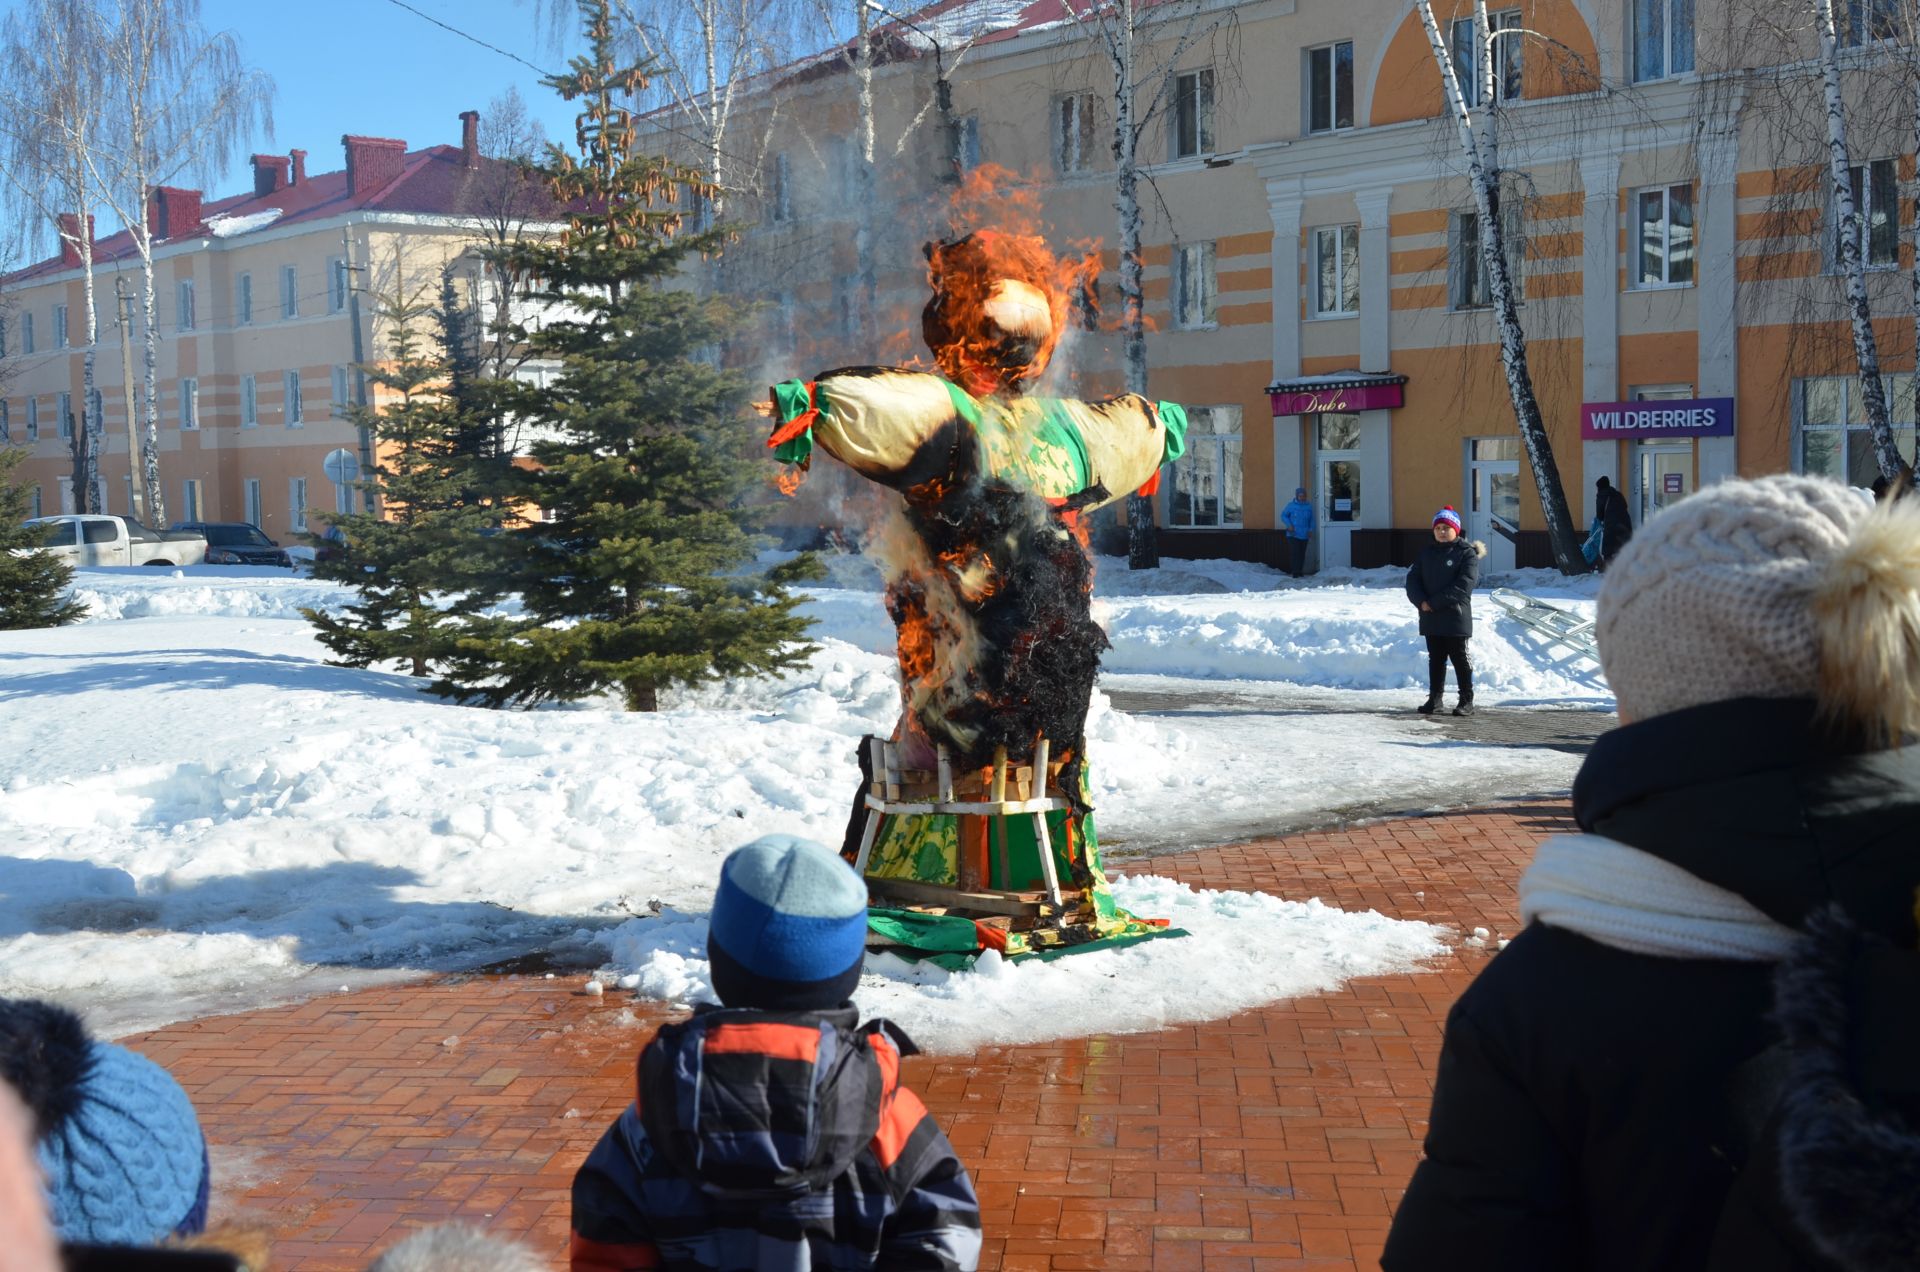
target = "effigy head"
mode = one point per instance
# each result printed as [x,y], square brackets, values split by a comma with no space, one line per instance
[1000,304]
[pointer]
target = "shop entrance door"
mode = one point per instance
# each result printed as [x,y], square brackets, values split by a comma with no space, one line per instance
[1337,485]
[1493,497]
[1664,476]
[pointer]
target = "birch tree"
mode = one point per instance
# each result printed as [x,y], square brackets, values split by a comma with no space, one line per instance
[182,103]
[50,111]
[1478,131]
[1140,44]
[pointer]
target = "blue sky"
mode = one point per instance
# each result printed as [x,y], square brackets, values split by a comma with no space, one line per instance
[371,67]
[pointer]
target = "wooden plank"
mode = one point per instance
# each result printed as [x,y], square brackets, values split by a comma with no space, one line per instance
[971,849]
[1019,904]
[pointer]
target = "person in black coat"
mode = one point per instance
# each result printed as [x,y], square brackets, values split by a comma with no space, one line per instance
[1616,523]
[1702,1052]
[1440,585]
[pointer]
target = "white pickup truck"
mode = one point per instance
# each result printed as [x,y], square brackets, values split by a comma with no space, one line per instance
[87,539]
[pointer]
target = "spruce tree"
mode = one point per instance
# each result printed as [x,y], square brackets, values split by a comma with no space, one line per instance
[413,563]
[638,575]
[30,582]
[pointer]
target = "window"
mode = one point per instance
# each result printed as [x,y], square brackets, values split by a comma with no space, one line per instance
[190,501]
[26,333]
[1195,290]
[1469,56]
[1865,20]
[249,402]
[33,419]
[33,493]
[183,293]
[243,300]
[297,503]
[3,337]
[1662,38]
[63,415]
[1193,113]
[1073,141]
[6,423]
[1834,438]
[1336,271]
[59,326]
[253,501]
[340,399]
[969,142]
[292,390]
[1467,269]
[1330,87]
[337,286]
[779,191]
[1663,236]
[289,292]
[1205,490]
[1876,211]
[189,403]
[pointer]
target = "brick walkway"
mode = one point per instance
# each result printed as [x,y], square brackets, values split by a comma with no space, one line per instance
[1279,1138]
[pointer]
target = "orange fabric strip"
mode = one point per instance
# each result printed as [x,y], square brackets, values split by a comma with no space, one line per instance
[799,423]
[897,1119]
[782,1042]
[1153,484]
[585,1255]
[990,938]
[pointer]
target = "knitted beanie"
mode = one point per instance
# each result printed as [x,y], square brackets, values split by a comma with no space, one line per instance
[1447,517]
[789,927]
[118,1140]
[1714,598]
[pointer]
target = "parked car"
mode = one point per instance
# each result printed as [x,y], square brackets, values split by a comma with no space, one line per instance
[237,543]
[90,539]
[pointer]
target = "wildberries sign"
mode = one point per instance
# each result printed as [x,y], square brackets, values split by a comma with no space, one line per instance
[1682,417]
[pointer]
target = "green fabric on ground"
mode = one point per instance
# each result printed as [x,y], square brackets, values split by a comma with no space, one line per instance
[930,933]
[955,962]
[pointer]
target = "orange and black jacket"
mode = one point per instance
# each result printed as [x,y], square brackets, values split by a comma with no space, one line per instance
[780,1142]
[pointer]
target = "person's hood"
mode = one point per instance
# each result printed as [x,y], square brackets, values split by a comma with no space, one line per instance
[1754,796]
[755,1103]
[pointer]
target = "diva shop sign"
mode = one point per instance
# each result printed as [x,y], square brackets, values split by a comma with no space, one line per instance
[1684,417]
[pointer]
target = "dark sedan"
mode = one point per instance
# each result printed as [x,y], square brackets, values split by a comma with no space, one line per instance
[237,543]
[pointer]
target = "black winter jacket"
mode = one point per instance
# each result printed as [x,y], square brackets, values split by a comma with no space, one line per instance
[1615,520]
[1444,574]
[1599,1109]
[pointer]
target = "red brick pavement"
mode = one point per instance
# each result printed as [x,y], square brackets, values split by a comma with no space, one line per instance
[1279,1138]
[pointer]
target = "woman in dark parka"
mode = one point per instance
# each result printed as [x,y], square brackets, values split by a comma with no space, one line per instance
[1440,585]
[1703,1052]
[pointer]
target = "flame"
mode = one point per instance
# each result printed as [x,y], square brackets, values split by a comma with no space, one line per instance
[788,480]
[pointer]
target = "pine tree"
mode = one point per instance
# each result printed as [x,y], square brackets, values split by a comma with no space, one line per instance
[30,582]
[638,577]
[414,563]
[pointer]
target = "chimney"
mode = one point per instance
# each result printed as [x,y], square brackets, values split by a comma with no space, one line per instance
[269,174]
[69,230]
[470,138]
[372,162]
[176,212]
[299,161]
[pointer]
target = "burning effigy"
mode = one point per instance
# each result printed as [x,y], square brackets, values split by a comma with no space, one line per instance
[973,826]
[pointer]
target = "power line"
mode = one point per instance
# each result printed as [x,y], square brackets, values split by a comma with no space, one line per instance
[473,38]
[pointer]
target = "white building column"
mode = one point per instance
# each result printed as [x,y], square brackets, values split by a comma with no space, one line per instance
[1284,201]
[1599,314]
[1717,294]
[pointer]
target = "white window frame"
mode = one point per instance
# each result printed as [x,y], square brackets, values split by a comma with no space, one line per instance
[33,418]
[1861,178]
[63,416]
[1640,282]
[1330,91]
[294,409]
[190,502]
[297,504]
[1509,72]
[60,339]
[337,285]
[1463,252]
[1190,120]
[1898,387]
[289,291]
[1070,129]
[1863,22]
[249,402]
[189,403]
[243,300]
[1334,235]
[340,399]
[1666,9]
[253,512]
[1217,449]
[185,314]
[1195,291]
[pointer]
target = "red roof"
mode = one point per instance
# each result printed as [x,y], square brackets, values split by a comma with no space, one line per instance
[433,181]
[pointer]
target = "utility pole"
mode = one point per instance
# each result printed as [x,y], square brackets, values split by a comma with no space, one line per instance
[123,312]
[359,375]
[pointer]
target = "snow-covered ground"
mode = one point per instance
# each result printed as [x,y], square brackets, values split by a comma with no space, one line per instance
[199,814]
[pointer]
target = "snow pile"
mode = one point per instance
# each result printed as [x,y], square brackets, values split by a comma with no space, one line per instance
[117,592]
[1243,949]
[232,226]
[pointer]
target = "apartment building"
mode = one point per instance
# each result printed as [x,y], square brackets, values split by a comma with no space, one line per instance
[257,299]
[1313,281]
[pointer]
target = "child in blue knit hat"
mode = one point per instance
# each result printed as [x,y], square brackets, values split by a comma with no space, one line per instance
[772,1132]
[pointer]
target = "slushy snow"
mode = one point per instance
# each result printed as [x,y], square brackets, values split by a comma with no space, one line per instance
[201,815]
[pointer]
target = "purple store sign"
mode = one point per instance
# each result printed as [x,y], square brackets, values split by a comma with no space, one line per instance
[1687,417]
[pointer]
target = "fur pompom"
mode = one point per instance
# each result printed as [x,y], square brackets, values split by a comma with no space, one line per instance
[45,1054]
[1867,608]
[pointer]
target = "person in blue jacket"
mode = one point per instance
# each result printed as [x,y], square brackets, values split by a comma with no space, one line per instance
[1297,517]
[772,1132]
[1440,585]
